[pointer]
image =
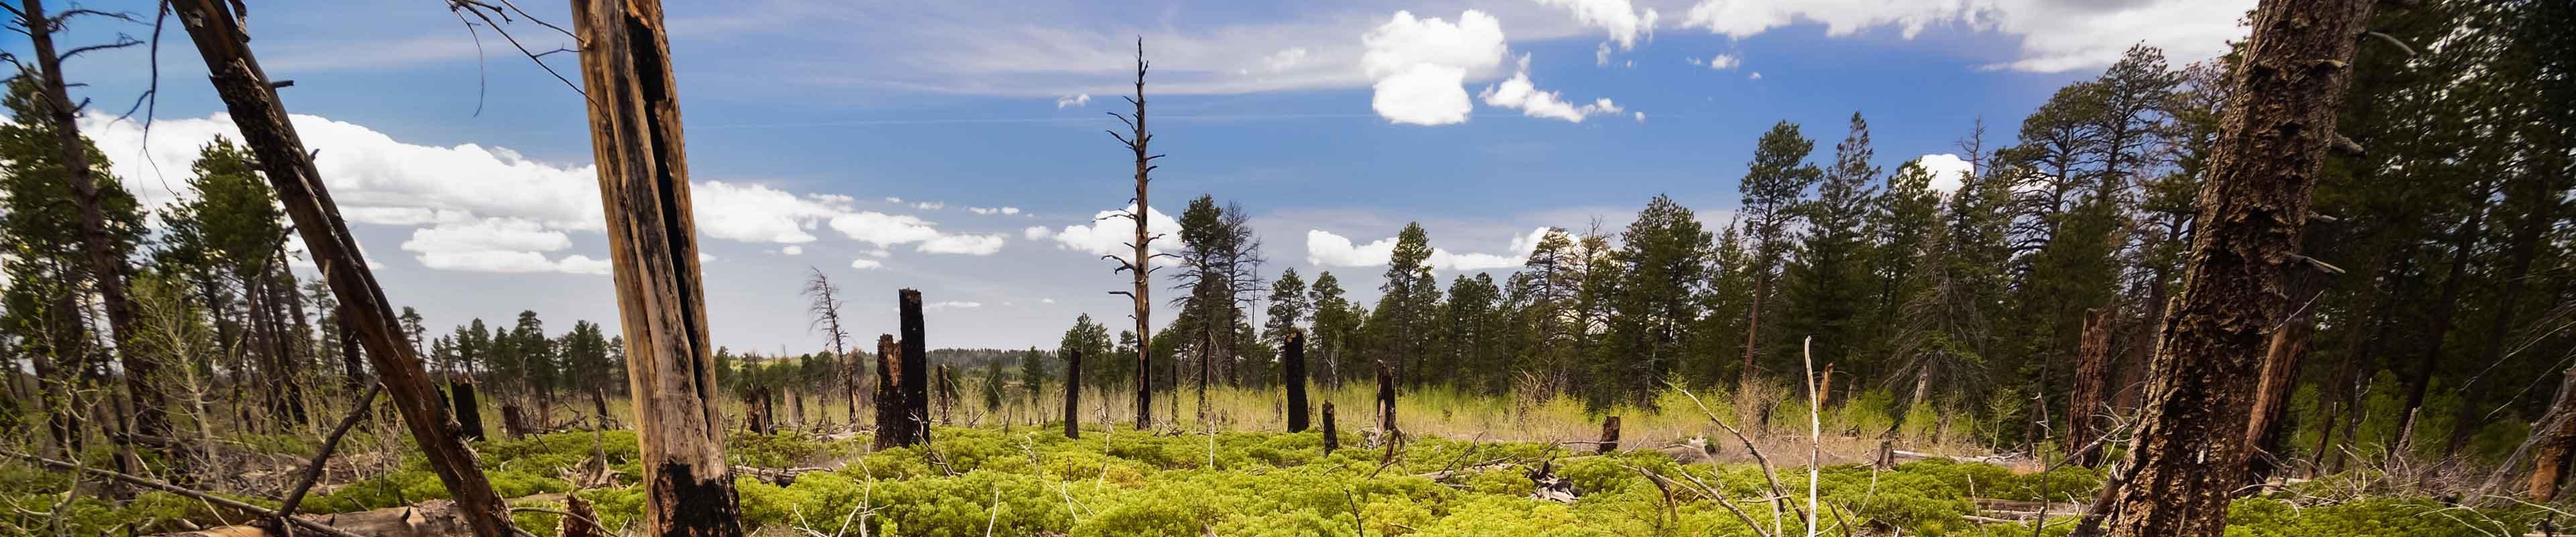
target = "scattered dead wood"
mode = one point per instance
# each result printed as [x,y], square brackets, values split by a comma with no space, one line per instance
[156,484]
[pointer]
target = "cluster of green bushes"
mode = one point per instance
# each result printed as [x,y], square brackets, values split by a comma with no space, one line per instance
[1034,482]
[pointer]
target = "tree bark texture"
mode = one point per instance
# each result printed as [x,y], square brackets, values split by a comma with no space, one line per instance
[1294,364]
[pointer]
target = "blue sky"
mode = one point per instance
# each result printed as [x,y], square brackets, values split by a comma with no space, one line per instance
[1329,121]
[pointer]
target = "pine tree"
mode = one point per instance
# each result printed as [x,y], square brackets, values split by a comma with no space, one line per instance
[1825,291]
[1773,183]
[1664,256]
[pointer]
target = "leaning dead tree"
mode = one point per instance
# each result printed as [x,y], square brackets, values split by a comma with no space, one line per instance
[1141,265]
[636,143]
[825,307]
[252,101]
[2190,450]
[106,270]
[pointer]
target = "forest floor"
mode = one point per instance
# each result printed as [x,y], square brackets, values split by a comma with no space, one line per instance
[1467,465]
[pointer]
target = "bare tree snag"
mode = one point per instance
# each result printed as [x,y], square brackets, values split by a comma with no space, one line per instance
[916,367]
[2190,451]
[1073,393]
[1141,265]
[2553,438]
[1609,436]
[2086,396]
[891,429]
[106,269]
[2263,435]
[1332,438]
[1386,400]
[636,142]
[469,411]
[253,103]
[1294,364]
[825,307]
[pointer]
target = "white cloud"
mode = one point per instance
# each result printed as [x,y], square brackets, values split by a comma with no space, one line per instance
[497,245]
[1420,65]
[963,244]
[1621,19]
[1109,233]
[1046,301]
[930,205]
[892,199]
[1076,100]
[1641,117]
[1037,233]
[866,264]
[1324,248]
[1721,62]
[1518,92]
[1284,59]
[755,213]
[1757,75]
[2055,35]
[993,210]
[953,304]
[792,250]
[1947,170]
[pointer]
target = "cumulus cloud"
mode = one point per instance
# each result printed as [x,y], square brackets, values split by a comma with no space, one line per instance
[1037,233]
[1284,60]
[1046,301]
[1518,92]
[1075,100]
[1720,62]
[1947,170]
[866,264]
[2055,35]
[954,304]
[755,213]
[1620,19]
[930,205]
[1110,232]
[993,210]
[792,250]
[1757,75]
[963,244]
[497,245]
[1420,65]
[1324,248]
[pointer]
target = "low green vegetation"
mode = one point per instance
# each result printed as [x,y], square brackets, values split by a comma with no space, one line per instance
[1036,482]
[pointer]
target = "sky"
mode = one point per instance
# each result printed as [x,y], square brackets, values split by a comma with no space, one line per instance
[958,147]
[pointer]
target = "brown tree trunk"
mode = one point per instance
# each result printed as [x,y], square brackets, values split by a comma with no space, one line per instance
[1073,393]
[1141,265]
[2086,397]
[2553,439]
[1332,438]
[1386,401]
[2280,374]
[469,411]
[2526,239]
[894,427]
[1609,436]
[2190,451]
[637,144]
[252,101]
[1752,330]
[1293,363]
[105,268]
[2421,381]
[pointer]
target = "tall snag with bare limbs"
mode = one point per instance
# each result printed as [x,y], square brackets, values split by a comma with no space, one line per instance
[252,101]
[1142,264]
[825,307]
[635,139]
[2190,450]
[106,267]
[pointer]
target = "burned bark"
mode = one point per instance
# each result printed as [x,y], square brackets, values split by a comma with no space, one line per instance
[2085,398]
[893,429]
[1386,401]
[1293,364]
[1609,436]
[1332,438]
[1073,393]
[916,367]
[469,410]
[2190,452]
[637,145]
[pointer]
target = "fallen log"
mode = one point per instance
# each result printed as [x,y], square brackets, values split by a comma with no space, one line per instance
[430,518]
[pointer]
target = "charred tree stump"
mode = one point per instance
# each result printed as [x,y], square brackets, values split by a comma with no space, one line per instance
[637,145]
[215,27]
[1386,401]
[469,411]
[2254,208]
[579,520]
[1609,436]
[893,422]
[916,367]
[1332,439]
[755,411]
[514,421]
[1294,365]
[1073,393]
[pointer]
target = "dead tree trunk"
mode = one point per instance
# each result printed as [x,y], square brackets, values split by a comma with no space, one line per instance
[916,367]
[514,421]
[894,427]
[1141,265]
[1294,364]
[2085,398]
[106,268]
[1332,439]
[2190,451]
[2445,309]
[469,411]
[1609,436]
[636,142]
[1073,393]
[253,103]
[1386,401]
[2553,439]
[2289,347]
